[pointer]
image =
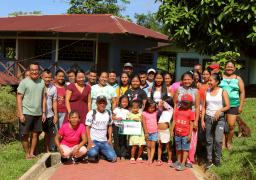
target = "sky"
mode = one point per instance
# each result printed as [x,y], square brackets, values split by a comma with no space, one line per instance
[61,6]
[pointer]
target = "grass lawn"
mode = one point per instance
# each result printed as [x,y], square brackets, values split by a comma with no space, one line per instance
[12,161]
[240,163]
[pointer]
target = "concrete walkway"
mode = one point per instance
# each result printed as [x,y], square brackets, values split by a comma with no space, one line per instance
[120,170]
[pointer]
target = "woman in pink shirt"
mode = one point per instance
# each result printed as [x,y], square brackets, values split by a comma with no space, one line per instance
[71,138]
[149,119]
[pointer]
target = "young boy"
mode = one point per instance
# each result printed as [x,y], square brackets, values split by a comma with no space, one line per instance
[183,125]
[98,126]
[50,110]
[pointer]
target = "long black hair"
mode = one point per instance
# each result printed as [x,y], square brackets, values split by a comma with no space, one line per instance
[163,89]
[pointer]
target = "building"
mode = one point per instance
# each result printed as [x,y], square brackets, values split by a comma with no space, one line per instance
[186,59]
[82,40]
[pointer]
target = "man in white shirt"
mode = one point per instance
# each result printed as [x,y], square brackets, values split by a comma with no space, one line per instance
[98,126]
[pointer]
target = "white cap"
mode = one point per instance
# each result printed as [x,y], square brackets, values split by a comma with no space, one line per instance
[151,70]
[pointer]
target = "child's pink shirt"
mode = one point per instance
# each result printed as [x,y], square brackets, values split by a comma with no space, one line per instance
[151,121]
[70,136]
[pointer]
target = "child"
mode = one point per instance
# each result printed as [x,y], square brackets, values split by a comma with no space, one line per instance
[120,113]
[98,126]
[183,124]
[149,117]
[50,111]
[136,140]
[164,128]
[71,138]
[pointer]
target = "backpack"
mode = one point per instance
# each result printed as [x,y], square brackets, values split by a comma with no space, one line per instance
[94,114]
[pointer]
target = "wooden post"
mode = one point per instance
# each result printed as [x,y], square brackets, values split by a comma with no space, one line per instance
[97,51]
[17,70]
[56,54]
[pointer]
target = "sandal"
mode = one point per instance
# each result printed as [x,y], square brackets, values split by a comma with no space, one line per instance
[159,163]
[169,162]
[132,161]
[139,160]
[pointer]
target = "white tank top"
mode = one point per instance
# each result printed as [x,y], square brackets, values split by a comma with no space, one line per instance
[213,103]
[157,96]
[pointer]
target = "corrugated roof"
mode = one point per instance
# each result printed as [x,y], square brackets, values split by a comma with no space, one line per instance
[77,23]
[8,80]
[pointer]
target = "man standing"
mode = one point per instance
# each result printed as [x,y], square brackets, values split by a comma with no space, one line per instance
[143,82]
[29,104]
[112,79]
[151,77]
[128,68]
[92,77]
[50,109]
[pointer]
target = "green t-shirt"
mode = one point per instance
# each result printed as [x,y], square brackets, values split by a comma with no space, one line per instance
[32,91]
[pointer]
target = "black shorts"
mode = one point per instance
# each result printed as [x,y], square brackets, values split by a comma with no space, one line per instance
[31,124]
[49,126]
[233,111]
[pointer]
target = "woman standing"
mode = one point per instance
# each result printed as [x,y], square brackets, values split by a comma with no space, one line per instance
[123,85]
[77,96]
[187,88]
[103,89]
[135,92]
[168,82]
[234,85]
[159,90]
[213,119]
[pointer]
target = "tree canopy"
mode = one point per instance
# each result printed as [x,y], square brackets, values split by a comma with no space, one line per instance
[211,26]
[22,13]
[97,7]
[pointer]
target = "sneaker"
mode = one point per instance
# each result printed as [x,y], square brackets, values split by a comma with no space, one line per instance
[174,165]
[189,165]
[208,165]
[180,167]
[132,161]
[139,160]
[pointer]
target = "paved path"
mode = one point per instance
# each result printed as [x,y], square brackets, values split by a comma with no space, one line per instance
[122,170]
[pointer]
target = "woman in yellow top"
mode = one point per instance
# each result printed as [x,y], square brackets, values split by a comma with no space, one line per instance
[123,85]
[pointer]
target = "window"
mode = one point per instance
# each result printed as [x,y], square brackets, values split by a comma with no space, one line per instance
[145,58]
[136,58]
[188,62]
[76,50]
[43,49]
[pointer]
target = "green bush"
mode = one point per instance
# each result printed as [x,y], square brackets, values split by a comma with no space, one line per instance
[7,105]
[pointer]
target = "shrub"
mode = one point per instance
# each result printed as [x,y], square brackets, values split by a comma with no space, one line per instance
[7,105]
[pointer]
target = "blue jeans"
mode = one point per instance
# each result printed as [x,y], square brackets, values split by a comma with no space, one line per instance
[104,148]
[61,119]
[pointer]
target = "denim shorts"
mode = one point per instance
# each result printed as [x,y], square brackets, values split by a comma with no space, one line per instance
[153,136]
[182,143]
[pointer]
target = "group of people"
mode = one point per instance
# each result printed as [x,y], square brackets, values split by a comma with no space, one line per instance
[81,117]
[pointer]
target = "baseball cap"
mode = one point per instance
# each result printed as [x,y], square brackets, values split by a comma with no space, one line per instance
[101,98]
[187,97]
[214,66]
[151,70]
[128,65]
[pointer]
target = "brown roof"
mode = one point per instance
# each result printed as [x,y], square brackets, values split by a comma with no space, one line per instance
[78,23]
[8,80]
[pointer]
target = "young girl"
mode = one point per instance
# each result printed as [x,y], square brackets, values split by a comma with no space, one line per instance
[164,128]
[136,141]
[183,125]
[120,113]
[149,117]
[71,138]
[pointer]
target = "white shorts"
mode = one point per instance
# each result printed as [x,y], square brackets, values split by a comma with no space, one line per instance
[164,135]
